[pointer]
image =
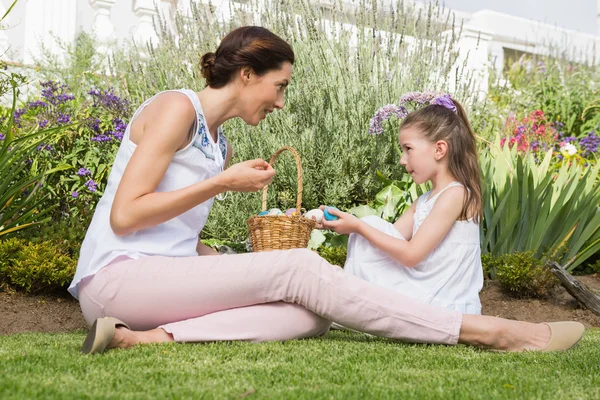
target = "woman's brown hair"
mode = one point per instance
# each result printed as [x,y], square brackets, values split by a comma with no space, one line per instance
[440,123]
[248,46]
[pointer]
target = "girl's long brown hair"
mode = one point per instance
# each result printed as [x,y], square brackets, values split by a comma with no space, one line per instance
[437,122]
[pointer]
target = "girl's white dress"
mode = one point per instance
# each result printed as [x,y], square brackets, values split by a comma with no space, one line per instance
[451,276]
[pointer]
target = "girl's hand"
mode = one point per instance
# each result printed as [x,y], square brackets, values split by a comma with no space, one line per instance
[345,225]
[248,176]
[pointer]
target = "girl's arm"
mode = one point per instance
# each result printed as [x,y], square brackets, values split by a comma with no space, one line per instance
[160,130]
[410,253]
[405,223]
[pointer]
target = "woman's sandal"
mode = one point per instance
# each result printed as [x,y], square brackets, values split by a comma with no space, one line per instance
[564,335]
[100,334]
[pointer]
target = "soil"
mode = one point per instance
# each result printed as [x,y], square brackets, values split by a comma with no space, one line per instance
[25,313]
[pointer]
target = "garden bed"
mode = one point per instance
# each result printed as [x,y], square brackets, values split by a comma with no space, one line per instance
[24,313]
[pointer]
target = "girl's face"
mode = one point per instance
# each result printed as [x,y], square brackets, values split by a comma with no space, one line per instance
[261,95]
[418,154]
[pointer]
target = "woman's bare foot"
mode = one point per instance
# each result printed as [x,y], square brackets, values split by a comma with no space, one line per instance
[125,338]
[502,334]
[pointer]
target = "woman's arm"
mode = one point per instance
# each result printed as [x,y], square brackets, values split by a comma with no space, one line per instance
[410,253]
[163,129]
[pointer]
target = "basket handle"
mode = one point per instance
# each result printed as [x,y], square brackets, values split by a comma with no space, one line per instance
[298,167]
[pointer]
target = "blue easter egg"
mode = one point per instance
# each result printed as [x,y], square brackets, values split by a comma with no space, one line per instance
[329,217]
[260,214]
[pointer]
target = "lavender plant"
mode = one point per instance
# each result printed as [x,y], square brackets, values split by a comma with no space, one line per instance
[88,148]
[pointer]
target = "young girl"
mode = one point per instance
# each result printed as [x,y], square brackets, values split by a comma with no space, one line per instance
[432,252]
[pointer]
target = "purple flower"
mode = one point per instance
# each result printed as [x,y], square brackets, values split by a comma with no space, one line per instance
[2,136]
[445,101]
[74,195]
[37,103]
[541,67]
[110,100]
[383,114]
[55,93]
[416,97]
[91,185]
[119,125]
[63,119]
[94,123]
[102,138]
[589,144]
[17,115]
[44,146]
[43,123]
[83,172]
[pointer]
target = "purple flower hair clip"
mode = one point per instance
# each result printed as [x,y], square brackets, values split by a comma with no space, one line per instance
[445,101]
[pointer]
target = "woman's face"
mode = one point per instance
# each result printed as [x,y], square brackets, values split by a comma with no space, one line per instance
[263,94]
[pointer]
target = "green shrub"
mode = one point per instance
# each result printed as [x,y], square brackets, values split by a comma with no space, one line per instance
[35,267]
[9,249]
[66,234]
[523,275]
[238,247]
[333,255]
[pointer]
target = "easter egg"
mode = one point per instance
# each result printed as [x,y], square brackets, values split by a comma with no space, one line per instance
[315,214]
[262,213]
[290,212]
[275,211]
[328,216]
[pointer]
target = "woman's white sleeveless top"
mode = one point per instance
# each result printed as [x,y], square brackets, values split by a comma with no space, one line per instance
[201,159]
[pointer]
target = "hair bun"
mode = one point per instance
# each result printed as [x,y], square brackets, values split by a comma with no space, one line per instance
[207,66]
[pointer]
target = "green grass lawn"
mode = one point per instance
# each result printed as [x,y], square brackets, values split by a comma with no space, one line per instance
[343,366]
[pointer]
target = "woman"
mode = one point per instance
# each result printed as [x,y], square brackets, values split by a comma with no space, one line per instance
[142,262]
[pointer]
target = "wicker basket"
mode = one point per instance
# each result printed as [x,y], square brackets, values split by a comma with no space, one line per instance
[280,232]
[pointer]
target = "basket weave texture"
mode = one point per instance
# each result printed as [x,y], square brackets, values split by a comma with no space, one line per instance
[281,232]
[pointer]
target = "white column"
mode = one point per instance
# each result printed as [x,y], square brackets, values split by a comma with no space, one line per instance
[184,7]
[144,32]
[4,46]
[473,54]
[103,27]
[598,15]
[167,10]
[45,19]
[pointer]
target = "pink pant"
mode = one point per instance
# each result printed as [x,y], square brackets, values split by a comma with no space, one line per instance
[275,295]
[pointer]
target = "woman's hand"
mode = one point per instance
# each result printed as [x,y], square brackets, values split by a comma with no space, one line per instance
[247,176]
[345,225]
